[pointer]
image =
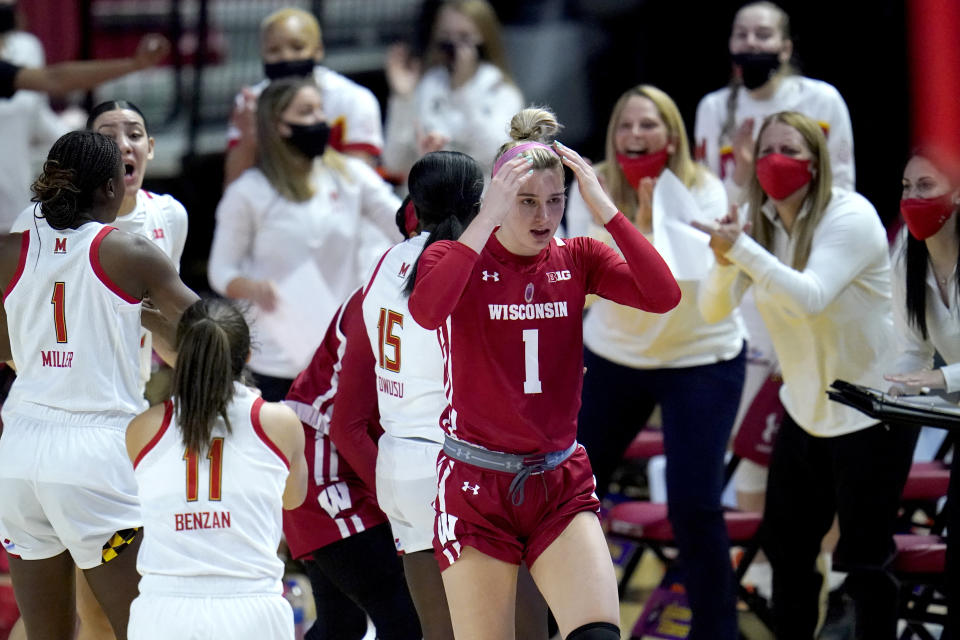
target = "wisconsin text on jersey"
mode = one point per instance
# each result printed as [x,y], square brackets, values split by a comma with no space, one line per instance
[535,311]
[201,520]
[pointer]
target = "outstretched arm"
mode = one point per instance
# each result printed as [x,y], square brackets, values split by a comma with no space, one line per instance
[142,270]
[64,77]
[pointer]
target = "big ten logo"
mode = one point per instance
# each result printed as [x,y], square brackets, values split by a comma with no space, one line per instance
[558,276]
[335,498]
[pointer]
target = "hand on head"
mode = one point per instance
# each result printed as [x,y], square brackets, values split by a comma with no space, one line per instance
[592,192]
[502,192]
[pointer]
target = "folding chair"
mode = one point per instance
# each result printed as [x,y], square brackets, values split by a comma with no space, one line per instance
[926,484]
[920,567]
[646,526]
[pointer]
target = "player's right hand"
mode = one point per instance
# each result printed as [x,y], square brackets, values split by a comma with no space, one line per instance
[501,195]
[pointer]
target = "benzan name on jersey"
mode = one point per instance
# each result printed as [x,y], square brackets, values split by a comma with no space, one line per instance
[536,311]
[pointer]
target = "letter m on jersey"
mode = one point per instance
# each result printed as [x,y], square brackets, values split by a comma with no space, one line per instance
[335,498]
[60,245]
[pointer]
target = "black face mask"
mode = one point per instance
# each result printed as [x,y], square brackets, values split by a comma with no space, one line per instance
[289,68]
[309,139]
[756,68]
[8,17]
[448,53]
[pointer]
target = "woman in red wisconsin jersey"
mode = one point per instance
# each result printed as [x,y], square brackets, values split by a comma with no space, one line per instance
[507,299]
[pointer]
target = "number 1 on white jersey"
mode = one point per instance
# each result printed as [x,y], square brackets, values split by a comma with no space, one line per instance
[531,361]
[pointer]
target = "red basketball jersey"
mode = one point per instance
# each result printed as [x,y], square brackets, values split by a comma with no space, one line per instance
[513,343]
[338,503]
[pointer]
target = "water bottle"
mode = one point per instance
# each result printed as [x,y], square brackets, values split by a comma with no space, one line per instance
[295,595]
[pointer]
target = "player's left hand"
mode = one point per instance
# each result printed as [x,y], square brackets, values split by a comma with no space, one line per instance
[593,194]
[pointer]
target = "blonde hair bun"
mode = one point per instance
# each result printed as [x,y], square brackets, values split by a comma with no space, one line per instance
[535,124]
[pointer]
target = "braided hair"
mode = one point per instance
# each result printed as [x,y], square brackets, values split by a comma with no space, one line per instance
[78,164]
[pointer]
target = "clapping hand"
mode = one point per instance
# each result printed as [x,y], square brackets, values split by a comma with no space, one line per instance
[723,233]
[402,70]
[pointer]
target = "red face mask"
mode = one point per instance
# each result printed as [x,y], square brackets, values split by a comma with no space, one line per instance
[648,165]
[926,216]
[780,175]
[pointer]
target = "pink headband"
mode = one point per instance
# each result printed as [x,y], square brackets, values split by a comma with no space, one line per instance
[513,151]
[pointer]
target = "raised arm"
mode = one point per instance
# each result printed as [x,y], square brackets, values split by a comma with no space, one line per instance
[841,249]
[641,278]
[143,271]
[445,267]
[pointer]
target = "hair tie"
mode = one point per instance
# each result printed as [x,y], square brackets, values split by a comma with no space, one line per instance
[513,151]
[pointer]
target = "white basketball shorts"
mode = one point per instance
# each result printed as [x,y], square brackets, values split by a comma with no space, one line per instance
[407,488]
[65,485]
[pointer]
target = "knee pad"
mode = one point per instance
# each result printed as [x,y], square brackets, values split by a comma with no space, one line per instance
[596,631]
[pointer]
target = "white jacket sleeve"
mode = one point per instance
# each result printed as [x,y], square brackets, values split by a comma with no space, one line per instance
[721,292]
[232,237]
[832,264]
[400,137]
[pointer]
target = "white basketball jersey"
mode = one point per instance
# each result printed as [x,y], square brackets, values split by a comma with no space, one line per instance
[219,513]
[409,363]
[74,333]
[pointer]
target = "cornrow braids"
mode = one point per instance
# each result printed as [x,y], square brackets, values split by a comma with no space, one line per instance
[77,165]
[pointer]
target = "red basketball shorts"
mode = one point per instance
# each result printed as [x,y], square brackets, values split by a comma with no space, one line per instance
[474,509]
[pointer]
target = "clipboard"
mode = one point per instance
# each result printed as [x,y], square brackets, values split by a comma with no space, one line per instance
[927,411]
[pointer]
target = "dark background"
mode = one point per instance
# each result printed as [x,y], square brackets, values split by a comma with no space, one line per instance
[578,56]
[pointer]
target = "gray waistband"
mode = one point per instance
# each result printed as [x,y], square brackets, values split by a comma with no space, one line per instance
[522,466]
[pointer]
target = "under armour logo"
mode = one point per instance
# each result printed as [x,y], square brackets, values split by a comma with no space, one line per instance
[495,275]
[475,488]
